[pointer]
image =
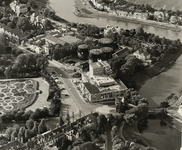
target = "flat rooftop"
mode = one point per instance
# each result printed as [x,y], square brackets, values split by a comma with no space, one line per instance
[104,80]
[69,39]
[96,65]
[54,40]
[91,88]
[108,84]
[115,87]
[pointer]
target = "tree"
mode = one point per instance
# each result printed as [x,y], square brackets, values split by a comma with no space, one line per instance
[21,134]
[129,118]
[140,31]
[4,42]
[162,114]
[61,122]
[8,133]
[8,72]
[27,114]
[14,135]
[37,114]
[23,23]
[101,120]
[19,116]
[27,134]
[42,62]
[42,128]
[11,25]
[34,130]
[47,24]
[86,146]
[44,112]
[4,20]
[30,124]
[164,104]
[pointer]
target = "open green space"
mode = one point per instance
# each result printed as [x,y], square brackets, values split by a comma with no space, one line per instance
[16,94]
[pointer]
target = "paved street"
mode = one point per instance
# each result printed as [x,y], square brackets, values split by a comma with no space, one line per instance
[84,107]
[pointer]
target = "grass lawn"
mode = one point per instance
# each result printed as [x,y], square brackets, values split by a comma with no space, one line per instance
[19,93]
[42,98]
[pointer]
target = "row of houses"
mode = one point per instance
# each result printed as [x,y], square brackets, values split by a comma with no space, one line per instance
[15,35]
[18,8]
[158,15]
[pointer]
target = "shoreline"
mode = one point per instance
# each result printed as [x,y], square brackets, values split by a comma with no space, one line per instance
[82,10]
[163,65]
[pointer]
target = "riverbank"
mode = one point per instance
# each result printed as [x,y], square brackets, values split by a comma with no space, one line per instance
[173,112]
[84,9]
[166,63]
[131,133]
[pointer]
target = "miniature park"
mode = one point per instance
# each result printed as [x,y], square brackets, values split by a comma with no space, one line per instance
[66,85]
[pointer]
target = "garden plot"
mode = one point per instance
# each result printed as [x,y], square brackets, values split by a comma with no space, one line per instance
[17,94]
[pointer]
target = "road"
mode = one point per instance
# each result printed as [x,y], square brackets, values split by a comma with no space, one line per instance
[75,102]
[84,107]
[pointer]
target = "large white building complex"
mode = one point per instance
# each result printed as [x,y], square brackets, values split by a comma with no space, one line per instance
[98,85]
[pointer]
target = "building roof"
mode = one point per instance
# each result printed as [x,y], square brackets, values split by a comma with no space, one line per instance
[54,40]
[69,39]
[105,40]
[83,46]
[107,49]
[96,65]
[15,145]
[96,51]
[14,31]
[122,52]
[91,88]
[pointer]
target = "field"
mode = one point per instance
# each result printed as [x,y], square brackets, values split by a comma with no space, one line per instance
[167,4]
[17,94]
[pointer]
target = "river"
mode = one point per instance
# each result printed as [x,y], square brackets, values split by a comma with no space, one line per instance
[167,137]
[64,9]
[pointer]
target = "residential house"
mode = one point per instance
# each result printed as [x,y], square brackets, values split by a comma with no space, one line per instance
[175,19]
[18,8]
[15,35]
[160,15]
[144,56]
[36,49]
[97,4]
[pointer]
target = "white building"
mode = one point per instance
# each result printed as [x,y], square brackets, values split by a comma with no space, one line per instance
[144,56]
[18,8]
[97,86]
[180,110]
